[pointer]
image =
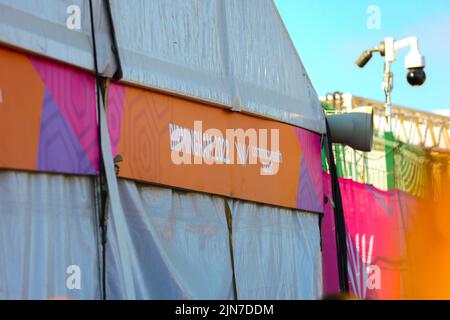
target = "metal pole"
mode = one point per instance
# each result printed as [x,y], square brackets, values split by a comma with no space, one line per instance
[388,85]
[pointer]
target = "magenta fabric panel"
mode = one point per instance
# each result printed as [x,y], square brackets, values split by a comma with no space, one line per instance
[116,96]
[374,240]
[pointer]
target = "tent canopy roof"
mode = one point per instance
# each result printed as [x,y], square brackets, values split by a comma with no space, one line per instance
[236,54]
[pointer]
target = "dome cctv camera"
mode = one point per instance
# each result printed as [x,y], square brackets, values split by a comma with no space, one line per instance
[416,76]
[415,63]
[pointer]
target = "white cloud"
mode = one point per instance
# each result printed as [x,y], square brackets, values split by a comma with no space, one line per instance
[442,112]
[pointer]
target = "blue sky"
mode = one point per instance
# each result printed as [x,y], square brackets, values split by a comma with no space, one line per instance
[330,34]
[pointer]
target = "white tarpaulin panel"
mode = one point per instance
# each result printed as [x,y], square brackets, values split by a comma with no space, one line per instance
[47,224]
[50,28]
[179,241]
[173,45]
[266,68]
[277,252]
[234,53]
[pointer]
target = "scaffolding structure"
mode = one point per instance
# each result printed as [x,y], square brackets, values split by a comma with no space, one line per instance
[418,144]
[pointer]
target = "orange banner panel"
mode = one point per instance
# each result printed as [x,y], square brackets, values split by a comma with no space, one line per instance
[21,96]
[219,151]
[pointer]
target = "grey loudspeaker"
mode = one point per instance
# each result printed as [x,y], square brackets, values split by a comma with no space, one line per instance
[354,129]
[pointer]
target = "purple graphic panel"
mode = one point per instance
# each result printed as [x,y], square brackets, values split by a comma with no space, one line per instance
[59,148]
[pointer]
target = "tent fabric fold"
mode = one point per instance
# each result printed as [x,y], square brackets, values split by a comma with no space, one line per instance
[180,244]
[277,252]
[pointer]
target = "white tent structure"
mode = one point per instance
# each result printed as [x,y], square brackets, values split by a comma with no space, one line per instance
[162,242]
[235,54]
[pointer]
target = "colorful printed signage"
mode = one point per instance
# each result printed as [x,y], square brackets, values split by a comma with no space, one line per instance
[48,123]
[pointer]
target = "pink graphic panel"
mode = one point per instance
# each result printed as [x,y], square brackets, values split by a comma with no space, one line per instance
[376,259]
[116,96]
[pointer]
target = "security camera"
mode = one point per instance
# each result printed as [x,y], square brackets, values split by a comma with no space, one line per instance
[416,76]
[414,60]
[415,63]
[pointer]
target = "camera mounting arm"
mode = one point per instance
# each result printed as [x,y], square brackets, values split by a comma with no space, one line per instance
[388,48]
[412,60]
[367,55]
